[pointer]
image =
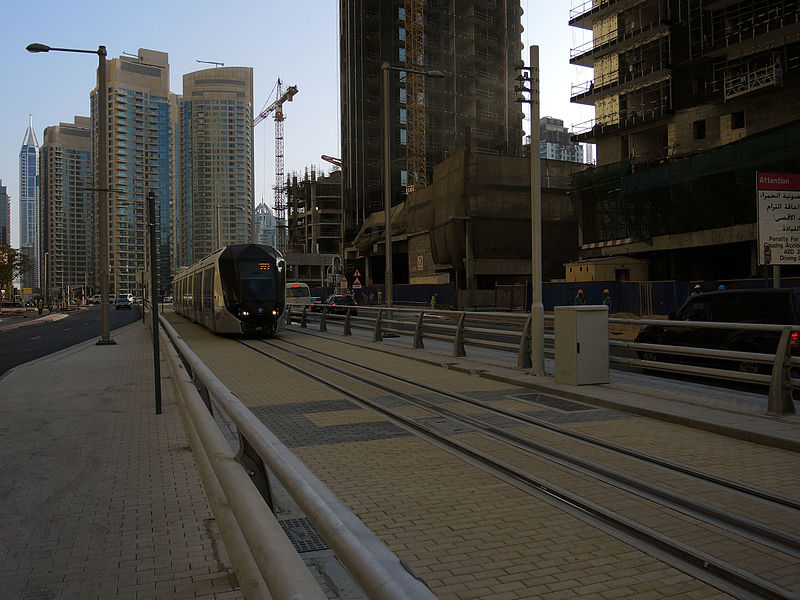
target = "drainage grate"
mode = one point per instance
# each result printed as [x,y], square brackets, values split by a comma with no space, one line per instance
[555,403]
[303,535]
[448,426]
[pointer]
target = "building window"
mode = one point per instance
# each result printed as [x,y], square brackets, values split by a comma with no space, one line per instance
[403,137]
[403,114]
[737,120]
[401,34]
[401,55]
[699,128]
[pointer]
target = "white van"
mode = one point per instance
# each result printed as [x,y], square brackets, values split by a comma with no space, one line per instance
[297,294]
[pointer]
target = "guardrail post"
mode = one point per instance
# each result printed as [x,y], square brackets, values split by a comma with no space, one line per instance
[418,332]
[322,325]
[304,318]
[377,335]
[780,401]
[524,357]
[458,342]
[347,322]
[251,461]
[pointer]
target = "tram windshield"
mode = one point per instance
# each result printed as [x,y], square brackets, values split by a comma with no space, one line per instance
[258,281]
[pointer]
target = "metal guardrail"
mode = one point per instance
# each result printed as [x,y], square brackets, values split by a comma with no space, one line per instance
[253,536]
[464,329]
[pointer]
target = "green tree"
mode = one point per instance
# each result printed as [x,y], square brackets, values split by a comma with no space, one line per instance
[12,264]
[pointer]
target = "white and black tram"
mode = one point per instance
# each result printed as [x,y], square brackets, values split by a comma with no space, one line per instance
[237,289]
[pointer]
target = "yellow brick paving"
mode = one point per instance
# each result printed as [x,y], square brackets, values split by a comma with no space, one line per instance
[467,533]
[763,466]
[470,535]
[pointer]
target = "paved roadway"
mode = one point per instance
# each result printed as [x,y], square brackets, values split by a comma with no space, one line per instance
[23,339]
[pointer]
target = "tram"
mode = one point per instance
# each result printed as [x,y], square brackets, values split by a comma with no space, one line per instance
[240,288]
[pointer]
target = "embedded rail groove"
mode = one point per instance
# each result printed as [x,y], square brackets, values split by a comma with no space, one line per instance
[714,571]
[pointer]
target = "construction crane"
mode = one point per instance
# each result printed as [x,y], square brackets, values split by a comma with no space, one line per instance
[416,166]
[332,159]
[280,185]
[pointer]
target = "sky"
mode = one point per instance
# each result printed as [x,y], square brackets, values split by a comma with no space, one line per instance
[294,41]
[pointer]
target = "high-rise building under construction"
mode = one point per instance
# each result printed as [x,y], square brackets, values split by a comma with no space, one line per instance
[476,44]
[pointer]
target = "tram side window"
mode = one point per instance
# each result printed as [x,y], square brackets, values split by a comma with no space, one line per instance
[208,288]
[196,289]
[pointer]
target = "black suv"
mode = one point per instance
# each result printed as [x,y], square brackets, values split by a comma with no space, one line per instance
[770,306]
[339,303]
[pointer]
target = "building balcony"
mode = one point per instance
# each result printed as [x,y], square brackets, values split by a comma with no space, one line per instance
[615,123]
[585,12]
[619,82]
[616,41]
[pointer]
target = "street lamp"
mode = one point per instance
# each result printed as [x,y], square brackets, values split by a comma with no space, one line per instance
[101,187]
[531,75]
[387,165]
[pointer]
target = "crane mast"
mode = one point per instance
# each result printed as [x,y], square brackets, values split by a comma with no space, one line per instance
[280,184]
[416,166]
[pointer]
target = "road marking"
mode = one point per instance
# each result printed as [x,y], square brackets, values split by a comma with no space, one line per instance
[36,338]
[67,328]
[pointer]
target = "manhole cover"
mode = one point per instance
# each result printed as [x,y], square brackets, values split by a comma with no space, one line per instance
[555,403]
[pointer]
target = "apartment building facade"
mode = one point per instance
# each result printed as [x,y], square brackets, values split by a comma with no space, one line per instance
[215,173]
[692,98]
[138,164]
[475,44]
[67,210]
[555,141]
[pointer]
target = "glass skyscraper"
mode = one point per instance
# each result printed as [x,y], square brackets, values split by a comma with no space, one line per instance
[67,210]
[5,216]
[138,163]
[215,162]
[29,206]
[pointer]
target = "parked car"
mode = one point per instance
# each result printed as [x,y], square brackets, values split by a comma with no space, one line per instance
[95,299]
[167,299]
[769,306]
[339,303]
[123,303]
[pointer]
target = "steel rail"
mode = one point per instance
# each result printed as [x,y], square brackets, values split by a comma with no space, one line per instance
[778,499]
[716,572]
[764,534]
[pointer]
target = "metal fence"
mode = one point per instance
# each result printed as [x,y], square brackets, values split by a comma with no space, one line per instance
[510,334]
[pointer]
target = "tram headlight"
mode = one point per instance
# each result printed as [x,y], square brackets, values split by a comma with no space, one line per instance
[245,313]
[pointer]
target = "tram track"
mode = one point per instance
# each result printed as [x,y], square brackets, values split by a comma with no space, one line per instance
[508,454]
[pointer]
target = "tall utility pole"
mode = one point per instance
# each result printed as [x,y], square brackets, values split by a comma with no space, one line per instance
[530,75]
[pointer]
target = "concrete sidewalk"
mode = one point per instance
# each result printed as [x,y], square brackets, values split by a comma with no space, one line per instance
[99,496]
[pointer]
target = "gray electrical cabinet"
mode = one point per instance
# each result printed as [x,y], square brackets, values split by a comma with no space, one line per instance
[581,344]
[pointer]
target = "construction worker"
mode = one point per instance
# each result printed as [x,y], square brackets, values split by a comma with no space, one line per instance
[579,299]
[607,299]
[434,298]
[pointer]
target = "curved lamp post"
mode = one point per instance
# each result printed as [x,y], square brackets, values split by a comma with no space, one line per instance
[101,187]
